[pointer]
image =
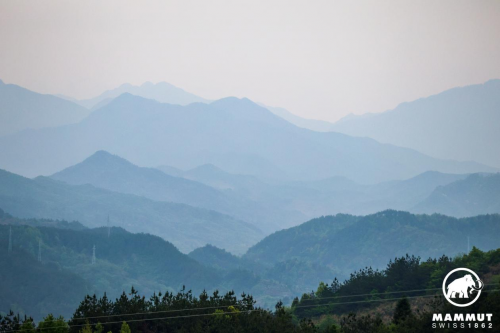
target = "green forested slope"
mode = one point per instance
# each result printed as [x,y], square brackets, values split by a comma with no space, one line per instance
[37,289]
[123,260]
[346,243]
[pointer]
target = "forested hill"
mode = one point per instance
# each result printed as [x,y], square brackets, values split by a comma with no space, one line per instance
[381,298]
[347,243]
[36,289]
[6,218]
[123,260]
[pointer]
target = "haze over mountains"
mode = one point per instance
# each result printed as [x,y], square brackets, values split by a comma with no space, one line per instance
[459,124]
[474,195]
[311,124]
[236,135]
[162,92]
[185,226]
[262,201]
[148,200]
[111,172]
[340,195]
[21,109]
[230,156]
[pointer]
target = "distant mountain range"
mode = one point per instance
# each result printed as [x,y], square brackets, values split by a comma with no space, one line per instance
[340,195]
[459,124]
[162,92]
[111,172]
[185,226]
[311,124]
[236,135]
[271,205]
[474,195]
[21,109]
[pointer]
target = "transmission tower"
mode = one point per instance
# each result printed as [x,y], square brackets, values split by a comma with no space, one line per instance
[10,239]
[39,250]
[109,228]
[93,255]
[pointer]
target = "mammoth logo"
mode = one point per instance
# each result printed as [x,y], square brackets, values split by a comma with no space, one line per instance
[462,287]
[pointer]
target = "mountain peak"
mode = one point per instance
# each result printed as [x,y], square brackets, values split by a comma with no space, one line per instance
[128,98]
[207,168]
[162,92]
[232,100]
[248,110]
[102,155]
[97,162]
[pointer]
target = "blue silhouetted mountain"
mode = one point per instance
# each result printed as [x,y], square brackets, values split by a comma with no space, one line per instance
[22,109]
[111,172]
[311,124]
[476,194]
[216,177]
[162,92]
[459,124]
[185,226]
[234,134]
[340,195]
[323,197]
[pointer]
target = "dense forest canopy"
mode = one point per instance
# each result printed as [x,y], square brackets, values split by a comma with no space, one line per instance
[331,308]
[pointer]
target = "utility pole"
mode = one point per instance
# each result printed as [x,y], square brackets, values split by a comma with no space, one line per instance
[93,255]
[468,245]
[10,239]
[39,250]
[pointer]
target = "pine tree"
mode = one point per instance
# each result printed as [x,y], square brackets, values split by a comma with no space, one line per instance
[402,311]
[51,324]
[125,328]
[87,328]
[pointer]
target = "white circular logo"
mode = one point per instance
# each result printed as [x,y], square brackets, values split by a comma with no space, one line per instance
[462,287]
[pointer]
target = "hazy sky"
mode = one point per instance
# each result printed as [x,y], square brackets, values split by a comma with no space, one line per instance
[318,59]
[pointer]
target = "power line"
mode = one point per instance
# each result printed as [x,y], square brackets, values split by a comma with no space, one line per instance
[222,313]
[374,300]
[237,305]
[384,293]
[148,319]
[215,307]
